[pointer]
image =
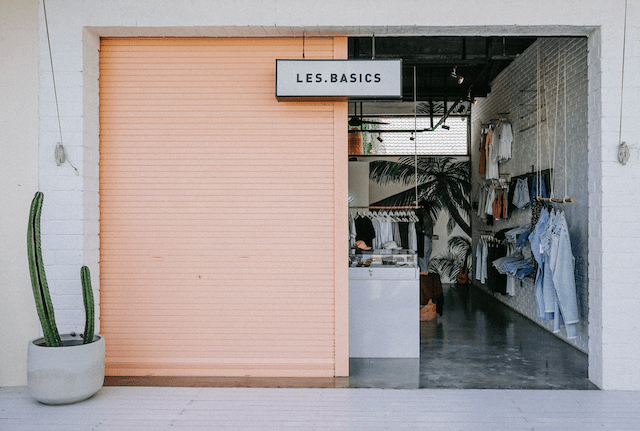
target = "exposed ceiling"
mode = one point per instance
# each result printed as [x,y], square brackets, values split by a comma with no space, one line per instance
[478,59]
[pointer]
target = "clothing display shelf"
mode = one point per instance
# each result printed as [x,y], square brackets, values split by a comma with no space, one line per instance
[386,258]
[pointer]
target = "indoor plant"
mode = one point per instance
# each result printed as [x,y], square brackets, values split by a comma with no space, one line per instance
[60,369]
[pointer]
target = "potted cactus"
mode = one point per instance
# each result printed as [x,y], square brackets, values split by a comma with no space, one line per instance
[61,369]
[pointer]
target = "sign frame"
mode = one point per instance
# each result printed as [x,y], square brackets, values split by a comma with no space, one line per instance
[338,79]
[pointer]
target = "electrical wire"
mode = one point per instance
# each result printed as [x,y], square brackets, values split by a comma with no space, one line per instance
[59,150]
[624,47]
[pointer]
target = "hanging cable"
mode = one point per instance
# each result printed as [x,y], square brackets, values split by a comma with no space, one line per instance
[624,47]
[373,46]
[59,154]
[623,148]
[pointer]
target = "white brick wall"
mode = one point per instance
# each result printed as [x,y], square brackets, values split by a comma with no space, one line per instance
[618,193]
[514,91]
[64,205]
[75,27]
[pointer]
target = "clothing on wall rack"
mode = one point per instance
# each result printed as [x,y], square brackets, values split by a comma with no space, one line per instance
[558,201]
[555,287]
[495,145]
[492,197]
[490,248]
[523,189]
[406,207]
[383,228]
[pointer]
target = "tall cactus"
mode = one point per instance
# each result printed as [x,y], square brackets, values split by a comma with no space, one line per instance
[87,296]
[38,276]
[41,289]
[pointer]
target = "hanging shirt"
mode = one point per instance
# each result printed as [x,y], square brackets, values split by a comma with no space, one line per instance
[386,230]
[483,154]
[504,137]
[492,158]
[413,237]
[376,227]
[479,261]
[352,231]
[482,201]
[485,255]
[491,196]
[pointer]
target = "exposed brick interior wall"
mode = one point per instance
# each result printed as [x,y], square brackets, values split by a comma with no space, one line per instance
[514,93]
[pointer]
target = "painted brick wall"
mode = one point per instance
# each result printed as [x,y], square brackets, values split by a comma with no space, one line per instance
[617,196]
[514,92]
[614,339]
[63,214]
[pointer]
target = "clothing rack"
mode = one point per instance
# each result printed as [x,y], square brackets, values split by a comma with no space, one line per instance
[406,207]
[490,239]
[558,201]
[502,117]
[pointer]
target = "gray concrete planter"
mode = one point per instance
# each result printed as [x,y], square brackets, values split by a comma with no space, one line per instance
[68,374]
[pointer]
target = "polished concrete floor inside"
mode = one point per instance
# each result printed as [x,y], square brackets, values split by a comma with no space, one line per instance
[478,343]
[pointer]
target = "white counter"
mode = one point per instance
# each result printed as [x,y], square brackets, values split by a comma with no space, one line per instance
[384,312]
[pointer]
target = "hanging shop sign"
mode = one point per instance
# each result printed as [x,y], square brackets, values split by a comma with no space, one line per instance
[361,79]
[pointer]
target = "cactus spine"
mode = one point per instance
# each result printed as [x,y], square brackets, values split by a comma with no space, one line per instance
[41,289]
[87,296]
[38,276]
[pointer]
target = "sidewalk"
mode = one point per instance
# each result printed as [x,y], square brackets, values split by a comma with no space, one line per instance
[166,409]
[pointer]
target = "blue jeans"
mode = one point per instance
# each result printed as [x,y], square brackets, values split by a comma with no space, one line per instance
[534,188]
[534,238]
[563,264]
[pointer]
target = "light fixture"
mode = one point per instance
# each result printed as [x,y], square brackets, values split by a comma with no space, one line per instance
[379,138]
[445,127]
[455,75]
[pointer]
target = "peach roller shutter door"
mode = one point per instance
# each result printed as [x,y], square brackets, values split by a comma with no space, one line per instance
[219,211]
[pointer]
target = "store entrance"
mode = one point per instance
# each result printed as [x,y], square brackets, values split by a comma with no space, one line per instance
[429,151]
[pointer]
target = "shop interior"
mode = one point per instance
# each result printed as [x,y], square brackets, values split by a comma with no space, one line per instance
[485,142]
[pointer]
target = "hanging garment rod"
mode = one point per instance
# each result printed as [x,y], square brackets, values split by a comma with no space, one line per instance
[410,207]
[558,201]
[390,131]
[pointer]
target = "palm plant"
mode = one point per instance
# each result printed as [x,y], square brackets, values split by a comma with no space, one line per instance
[443,184]
[448,264]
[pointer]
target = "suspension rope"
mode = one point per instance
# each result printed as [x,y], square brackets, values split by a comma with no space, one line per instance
[565,125]
[552,174]
[538,127]
[415,133]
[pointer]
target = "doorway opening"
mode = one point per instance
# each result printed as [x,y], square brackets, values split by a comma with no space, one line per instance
[482,331]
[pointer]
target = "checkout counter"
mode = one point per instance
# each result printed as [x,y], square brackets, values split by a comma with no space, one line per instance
[384,304]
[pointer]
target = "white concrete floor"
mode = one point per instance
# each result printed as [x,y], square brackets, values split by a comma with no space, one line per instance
[165,409]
